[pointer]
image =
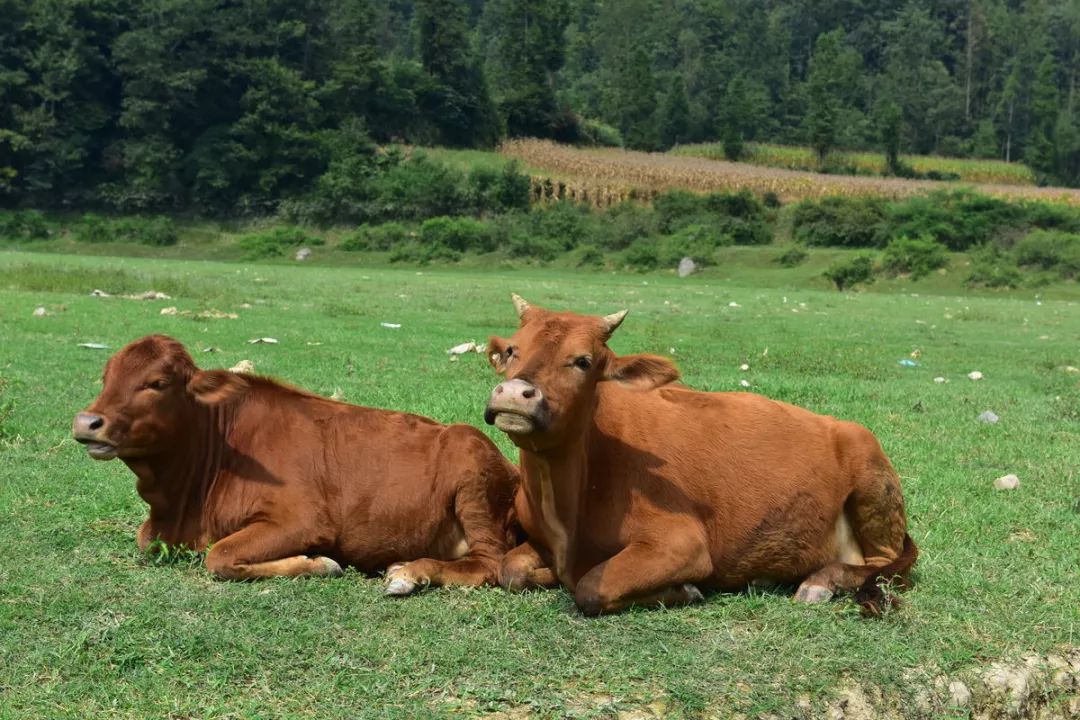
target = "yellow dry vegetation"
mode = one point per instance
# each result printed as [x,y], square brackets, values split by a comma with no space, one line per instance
[605,176]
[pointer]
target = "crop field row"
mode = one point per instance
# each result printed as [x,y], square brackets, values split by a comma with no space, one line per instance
[792,157]
[604,175]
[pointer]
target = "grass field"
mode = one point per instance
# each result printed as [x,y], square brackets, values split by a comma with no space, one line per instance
[791,157]
[89,628]
[603,176]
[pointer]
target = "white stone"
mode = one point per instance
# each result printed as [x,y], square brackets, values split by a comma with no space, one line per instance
[687,266]
[303,253]
[1007,482]
[959,695]
[940,380]
[975,375]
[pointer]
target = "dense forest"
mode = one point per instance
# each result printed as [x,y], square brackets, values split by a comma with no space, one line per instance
[234,106]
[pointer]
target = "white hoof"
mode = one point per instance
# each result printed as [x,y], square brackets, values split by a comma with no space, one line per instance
[693,595]
[813,594]
[400,587]
[332,568]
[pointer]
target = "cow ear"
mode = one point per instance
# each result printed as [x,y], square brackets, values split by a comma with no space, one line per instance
[213,387]
[496,353]
[642,372]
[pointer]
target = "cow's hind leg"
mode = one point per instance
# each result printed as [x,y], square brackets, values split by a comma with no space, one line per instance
[263,550]
[646,574]
[485,488]
[524,567]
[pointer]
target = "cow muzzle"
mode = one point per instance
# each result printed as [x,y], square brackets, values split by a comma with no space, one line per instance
[516,407]
[89,429]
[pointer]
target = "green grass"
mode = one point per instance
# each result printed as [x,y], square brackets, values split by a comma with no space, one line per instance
[89,628]
[793,157]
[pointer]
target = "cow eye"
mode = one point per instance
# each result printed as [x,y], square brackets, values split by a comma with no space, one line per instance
[583,363]
[157,385]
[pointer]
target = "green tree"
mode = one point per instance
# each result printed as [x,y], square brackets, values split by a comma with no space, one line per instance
[674,113]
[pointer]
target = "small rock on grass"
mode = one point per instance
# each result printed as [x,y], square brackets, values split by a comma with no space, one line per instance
[975,375]
[686,267]
[303,253]
[40,311]
[244,366]
[940,380]
[1007,482]
[987,416]
[959,694]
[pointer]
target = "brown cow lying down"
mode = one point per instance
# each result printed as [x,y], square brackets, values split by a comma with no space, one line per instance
[637,490]
[277,481]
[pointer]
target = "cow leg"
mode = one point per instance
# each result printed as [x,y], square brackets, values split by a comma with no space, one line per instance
[523,568]
[262,550]
[645,574]
[485,533]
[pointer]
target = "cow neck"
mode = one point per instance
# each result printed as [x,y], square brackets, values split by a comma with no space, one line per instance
[176,482]
[556,480]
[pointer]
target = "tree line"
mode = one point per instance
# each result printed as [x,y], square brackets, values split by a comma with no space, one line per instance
[237,105]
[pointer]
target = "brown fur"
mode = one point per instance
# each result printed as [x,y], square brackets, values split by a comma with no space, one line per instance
[275,479]
[636,489]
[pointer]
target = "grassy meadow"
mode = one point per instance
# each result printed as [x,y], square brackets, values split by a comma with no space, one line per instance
[90,628]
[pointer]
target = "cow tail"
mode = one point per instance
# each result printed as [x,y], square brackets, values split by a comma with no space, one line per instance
[871,596]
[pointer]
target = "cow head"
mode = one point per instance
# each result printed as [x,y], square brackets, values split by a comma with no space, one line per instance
[552,366]
[150,394]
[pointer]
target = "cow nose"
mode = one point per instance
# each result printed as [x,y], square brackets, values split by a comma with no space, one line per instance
[87,423]
[516,393]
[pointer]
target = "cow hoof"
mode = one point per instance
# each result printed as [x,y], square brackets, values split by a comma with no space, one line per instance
[693,595]
[400,582]
[813,594]
[331,565]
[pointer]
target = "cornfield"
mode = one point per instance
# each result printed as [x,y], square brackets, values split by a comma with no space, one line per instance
[602,177]
[803,158]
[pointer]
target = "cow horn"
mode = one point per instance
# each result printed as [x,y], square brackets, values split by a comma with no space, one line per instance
[520,305]
[612,321]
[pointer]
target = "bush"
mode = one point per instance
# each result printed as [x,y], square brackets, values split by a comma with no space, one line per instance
[377,237]
[771,199]
[276,241]
[791,257]
[642,254]
[698,242]
[917,256]
[417,189]
[1050,250]
[848,273]
[23,225]
[563,224]
[158,230]
[622,224]
[93,228]
[957,219]
[456,235]
[992,268]
[594,132]
[840,222]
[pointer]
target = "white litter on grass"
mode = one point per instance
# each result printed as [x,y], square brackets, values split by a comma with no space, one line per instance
[734,304]
[41,311]
[744,367]
[461,349]
[148,295]
[744,383]
[392,326]
[988,416]
[209,349]
[1071,369]
[940,380]
[975,375]
[168,311]
[337,394]
[244,366]
[99,293]
[263,340]
[94,346]
[1007,482]
[303,253]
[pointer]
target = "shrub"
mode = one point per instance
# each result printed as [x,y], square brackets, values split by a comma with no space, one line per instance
[1050,250]
[698,242]
[839,222]
[377,237]
[594,132]
[497,190]
[93,228]
[276,241]
[564,225]
[416,189]
[623,224]
[23,225]
[992,268]
[456,235]
[744,232]
[851,272]
[642,254]
[771,200]
[587,255]
[147,231]
[917,256]
[791,257]
[957,219]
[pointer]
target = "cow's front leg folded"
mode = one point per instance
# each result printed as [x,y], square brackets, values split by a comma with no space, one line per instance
[263,550]
[645,574]
[525,567]
[406,578]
